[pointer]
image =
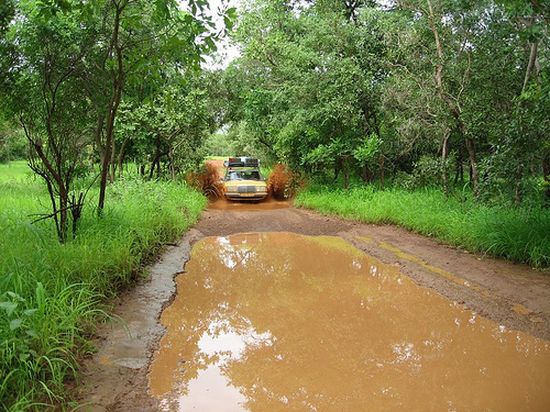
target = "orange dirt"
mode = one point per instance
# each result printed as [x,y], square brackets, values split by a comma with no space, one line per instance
[250,304]
[511,295]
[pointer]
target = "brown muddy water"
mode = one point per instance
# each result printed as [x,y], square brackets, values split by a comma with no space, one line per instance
[277,321]
[248,205]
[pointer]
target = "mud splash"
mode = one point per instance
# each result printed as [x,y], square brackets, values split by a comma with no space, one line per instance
[249,206]
[282,321]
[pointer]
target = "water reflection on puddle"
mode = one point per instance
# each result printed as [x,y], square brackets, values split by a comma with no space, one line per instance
[279,321]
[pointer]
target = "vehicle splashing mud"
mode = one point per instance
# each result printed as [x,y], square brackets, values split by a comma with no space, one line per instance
[278,321]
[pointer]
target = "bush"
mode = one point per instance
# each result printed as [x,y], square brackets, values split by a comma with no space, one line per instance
[13,144]
[427,173]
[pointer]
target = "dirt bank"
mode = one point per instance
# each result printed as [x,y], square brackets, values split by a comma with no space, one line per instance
[512,295]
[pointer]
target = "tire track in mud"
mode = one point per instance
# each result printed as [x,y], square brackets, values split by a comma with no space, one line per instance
[115,379]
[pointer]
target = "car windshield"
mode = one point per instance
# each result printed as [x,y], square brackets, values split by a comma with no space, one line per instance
[243,175]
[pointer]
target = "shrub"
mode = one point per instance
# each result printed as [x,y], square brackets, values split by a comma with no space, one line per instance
[427,173]
[13,144]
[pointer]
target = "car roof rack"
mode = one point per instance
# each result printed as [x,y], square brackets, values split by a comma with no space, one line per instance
[241,162]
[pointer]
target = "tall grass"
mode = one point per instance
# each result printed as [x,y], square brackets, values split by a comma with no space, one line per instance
[51,294]
[518,234]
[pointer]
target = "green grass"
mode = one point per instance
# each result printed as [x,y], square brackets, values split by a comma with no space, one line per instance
[52,295]
[518,234]
[15,172]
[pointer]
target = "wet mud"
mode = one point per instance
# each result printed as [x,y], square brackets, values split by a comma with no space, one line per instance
[116,377]
[278,321]
[249,205]
[513,297]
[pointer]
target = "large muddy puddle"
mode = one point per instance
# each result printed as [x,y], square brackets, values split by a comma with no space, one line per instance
[279,321]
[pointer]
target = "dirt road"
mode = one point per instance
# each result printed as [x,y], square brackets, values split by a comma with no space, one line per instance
[511,295]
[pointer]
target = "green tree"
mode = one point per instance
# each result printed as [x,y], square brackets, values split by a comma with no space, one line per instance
[135,40]
[41,92]
[168,130]
[302,89]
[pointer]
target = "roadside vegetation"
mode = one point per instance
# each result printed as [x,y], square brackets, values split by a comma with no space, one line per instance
[452,94]
[104,108]
[53,293]
[518,234]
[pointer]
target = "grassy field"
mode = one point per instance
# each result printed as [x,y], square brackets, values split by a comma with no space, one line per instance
[52,295]
[15,172]
[518,234]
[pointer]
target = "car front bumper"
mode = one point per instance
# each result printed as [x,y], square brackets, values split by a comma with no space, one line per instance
[244,196]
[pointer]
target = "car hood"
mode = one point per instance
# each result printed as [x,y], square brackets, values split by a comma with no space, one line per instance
[235,183]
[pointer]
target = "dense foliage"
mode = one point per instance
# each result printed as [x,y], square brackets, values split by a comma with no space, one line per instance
[454,92]
[51,293]
[13,144]
[93,82]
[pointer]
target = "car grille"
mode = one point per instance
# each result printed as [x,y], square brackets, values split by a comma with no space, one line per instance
[246,189]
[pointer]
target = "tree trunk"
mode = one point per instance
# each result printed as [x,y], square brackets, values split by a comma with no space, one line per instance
[152,169]
[453,106]
[172,165]
[121,155]
[54,205]
[118,83]
[120,167]
[546,174]
[345,168]
[76,206]
[438,75]
[381,162]
[531,64]
[444,154]
[53,178]
[346,179]
[112,168]
[337,168]
[105,161]
[473,164]
[156,159]
[367,174]
[63,218]
[459,168]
